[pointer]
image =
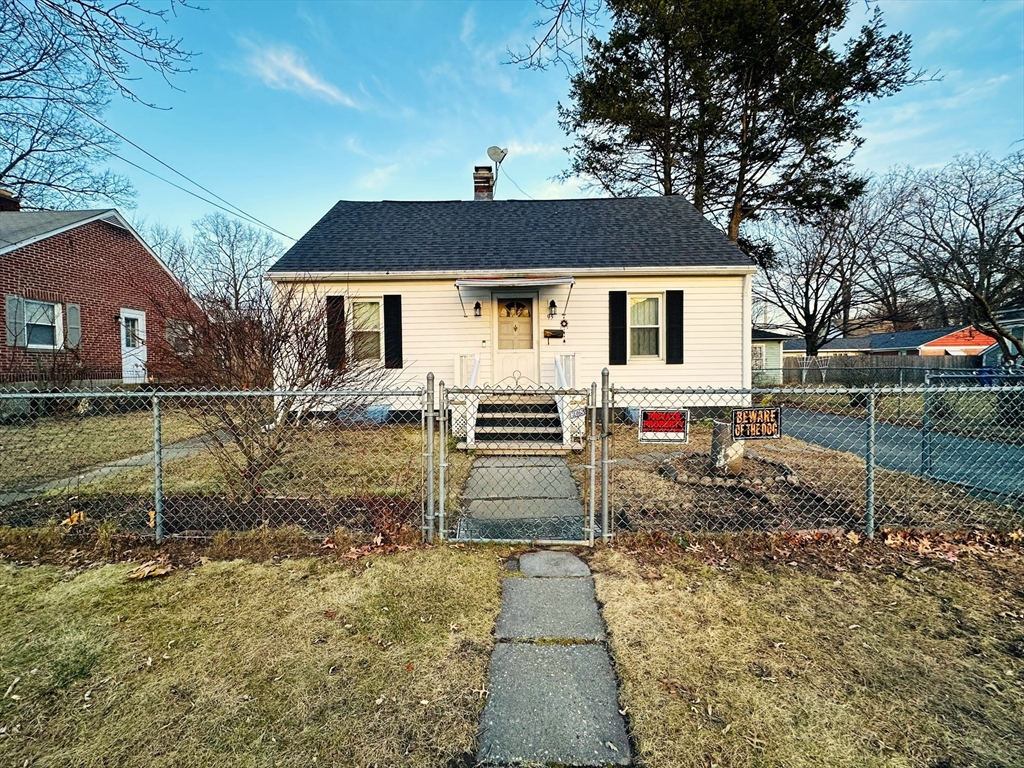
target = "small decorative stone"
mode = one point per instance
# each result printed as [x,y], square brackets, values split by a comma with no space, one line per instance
[669,472]
[705,480]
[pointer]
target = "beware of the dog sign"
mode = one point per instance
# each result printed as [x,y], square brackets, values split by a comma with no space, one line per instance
[756,423]
[664,426]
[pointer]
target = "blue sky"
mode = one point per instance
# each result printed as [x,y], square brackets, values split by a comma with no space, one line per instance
[295,105]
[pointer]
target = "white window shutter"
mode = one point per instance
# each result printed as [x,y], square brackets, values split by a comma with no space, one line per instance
[14,320]
[73,337]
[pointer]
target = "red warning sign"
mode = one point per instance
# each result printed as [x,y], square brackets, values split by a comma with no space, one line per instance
[664,426]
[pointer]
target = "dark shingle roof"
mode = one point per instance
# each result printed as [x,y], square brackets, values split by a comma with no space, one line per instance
[909,339]
[511,235]
[877,342]
[19,226]
[850,344]
[761,335]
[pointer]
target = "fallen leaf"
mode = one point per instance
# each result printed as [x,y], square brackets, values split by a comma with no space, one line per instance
[150,569]
[330,614]
[10,688]
[75,518]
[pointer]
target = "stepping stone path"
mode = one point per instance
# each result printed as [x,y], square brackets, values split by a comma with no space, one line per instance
[552,697]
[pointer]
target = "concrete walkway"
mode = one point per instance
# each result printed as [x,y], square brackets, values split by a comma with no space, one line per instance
[178,450]
[521,498]
[552,697]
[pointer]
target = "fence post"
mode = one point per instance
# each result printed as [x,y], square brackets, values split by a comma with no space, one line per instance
[430,459]
[606,534]
[869,463]
[899,402]
[158,473]
[926,426]
[593,458]
[442,461]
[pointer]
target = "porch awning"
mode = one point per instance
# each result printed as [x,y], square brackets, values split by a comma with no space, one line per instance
[511,282]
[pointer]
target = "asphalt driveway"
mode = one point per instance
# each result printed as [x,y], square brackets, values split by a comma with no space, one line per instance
[988,466]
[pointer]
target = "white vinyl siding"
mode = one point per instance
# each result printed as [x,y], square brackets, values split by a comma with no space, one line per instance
[438,335]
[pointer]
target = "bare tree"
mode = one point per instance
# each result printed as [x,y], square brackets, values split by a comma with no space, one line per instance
[61,61]
[964,232]
[240,332]
[813,277]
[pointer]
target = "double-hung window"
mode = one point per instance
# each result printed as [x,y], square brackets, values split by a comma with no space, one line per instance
[644,325]
[43,329]
[366,329]
[757,357]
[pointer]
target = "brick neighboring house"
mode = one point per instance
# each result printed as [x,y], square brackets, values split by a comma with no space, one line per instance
[84,299]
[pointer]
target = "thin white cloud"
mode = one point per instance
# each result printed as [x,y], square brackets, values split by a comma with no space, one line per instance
[378,178]
[468,27]
[517,148]
[283,68]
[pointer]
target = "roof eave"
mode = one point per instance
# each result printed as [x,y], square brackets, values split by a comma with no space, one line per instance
[705,270]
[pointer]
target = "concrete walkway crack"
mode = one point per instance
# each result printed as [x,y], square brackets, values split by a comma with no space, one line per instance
[552,695]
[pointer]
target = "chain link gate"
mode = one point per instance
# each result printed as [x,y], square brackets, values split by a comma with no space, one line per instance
[517,464]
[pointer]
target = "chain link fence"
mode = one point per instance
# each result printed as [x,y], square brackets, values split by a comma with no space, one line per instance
[472,464]
[852,459]
[195,463]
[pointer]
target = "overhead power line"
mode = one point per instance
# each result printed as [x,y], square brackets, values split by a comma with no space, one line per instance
[176,186]
[174,170]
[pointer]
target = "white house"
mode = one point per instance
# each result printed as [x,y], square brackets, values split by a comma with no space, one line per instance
[528,294]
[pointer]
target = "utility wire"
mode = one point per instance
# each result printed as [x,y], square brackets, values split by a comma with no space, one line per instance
[103,125]
[175,185]
[517,186]
[174,170]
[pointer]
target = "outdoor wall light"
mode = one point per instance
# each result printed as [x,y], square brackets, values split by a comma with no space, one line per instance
[477,311]
[552,308]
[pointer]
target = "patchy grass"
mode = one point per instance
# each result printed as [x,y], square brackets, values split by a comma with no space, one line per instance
[903,661]
[36,451]
[292,663]
[316,462]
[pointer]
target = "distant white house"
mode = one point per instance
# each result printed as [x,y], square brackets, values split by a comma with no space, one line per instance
[528,294]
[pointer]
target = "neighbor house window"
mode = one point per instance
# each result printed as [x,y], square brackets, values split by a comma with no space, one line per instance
[366,330]
[757,357]
[179,336]
[42,325]
[644,326]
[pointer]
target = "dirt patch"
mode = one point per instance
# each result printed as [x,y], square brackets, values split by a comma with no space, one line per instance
[785,484]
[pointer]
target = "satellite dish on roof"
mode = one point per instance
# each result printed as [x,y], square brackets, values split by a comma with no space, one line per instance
[497,154]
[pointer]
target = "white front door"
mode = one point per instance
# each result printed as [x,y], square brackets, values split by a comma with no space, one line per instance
[133,346]
[515,354]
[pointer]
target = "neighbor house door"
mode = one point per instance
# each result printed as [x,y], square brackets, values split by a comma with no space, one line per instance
[133,346]
[515,353]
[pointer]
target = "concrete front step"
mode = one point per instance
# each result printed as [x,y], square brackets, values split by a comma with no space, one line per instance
[516,448]
[489,429]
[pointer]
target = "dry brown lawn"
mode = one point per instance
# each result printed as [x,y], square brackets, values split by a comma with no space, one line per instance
[920,664]
[282,663]
[51,448]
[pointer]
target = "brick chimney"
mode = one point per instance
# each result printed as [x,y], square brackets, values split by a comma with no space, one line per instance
[8,202]
[483,183]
